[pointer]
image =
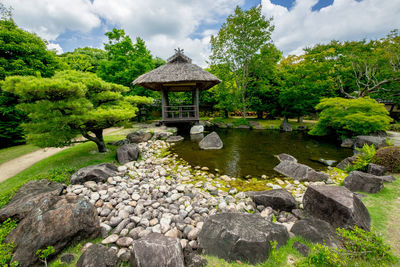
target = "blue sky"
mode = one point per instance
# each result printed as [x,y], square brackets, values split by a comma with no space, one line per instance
[164,25]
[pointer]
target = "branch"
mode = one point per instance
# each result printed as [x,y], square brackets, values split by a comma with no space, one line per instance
[380,84]
[342,90]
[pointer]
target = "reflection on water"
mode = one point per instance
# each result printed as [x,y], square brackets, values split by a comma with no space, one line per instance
[251,152]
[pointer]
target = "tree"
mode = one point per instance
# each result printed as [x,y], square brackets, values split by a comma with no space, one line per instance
[84,59]
[350,117]
[125,60]
[21,53]
[237,42]
[68,104]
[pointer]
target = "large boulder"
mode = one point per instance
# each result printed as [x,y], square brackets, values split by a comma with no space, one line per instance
[346,162]
[377,141]
[278,199]
[156,250]
[347,143]
[197,129]
[139,137]
[364,182]
[316,231]
[97,173]
[211,141]
[98,256]
[55,221]
[376,169]
[28,197]
[299,171]
[127,153]
[240,236]
[336,205]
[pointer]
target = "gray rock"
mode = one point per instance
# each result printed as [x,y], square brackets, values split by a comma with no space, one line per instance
[364,182]
[98,256]
[242,126]
[240,236]
[388,178]
[221,125]
[284,156]
[156,250]
[110,239]
[346,162]
[376,169]
[286,126]
[138,137]
[300,172]
[67,258]
[28,197]
[316,231]
[127,153]
[43,227]
[377,141]
[211,141]
[301,248]
[278,199]
[124,241]
[337,205]
[119,142]
[174,139]
[96,173]
[197,129]
[347,143]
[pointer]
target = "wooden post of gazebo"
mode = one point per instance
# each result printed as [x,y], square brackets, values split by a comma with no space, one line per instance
[178,75]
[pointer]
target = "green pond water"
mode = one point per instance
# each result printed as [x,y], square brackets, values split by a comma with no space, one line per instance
[251,152]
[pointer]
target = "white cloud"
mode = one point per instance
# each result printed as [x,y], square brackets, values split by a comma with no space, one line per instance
[343,20]
[50,18]
[54,46]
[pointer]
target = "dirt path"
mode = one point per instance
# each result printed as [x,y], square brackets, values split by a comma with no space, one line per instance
[395,136]
[12,167]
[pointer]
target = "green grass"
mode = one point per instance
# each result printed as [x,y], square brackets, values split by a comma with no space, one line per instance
[67,160]
[10,153]
[267,124]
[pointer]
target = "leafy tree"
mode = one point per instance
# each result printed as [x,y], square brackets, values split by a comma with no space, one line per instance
[84,59]
[350,117]
[125,60]
[68,104]
[263,89]
[21,53]
[237,42]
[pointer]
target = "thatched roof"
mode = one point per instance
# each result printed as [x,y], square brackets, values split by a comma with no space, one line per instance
[179,74]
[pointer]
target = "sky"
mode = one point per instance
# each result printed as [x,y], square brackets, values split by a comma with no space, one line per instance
[189,24]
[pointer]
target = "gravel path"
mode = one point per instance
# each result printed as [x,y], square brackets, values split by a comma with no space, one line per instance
[12,167]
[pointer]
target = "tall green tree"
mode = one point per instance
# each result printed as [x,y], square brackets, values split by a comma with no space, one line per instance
[70,104]
[84,59]
[239,39]
[21,53]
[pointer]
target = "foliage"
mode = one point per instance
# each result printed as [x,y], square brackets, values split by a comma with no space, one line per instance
[45,253]
[125,60]
[6,249]
[365,156]
[350,117]
[69,104]
[239,39]
[358,245]
[389,157]
[84,59]
[21,53]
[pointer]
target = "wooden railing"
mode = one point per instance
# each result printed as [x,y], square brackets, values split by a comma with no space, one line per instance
[175,113]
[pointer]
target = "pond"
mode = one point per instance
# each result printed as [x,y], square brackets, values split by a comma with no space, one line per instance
[251,152]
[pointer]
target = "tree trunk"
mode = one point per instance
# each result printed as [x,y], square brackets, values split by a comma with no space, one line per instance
[244,106]
[226,114]
[260,115]
[100,141]
[300,119]
[285,119]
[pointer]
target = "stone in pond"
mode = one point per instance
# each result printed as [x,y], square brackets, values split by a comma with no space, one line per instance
[364,182]
[284,156]
[127,153]
[337,205]
[346,162]
[377,141]
[240,236]
[278,199]
[96,173]
[197,129]
[156,250]
[174,139]
[300,172]
[211,141]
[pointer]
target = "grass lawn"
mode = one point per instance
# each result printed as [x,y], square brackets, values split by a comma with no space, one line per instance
[10,153]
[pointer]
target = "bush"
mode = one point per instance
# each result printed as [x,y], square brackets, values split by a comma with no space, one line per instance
[241,121]
[357,246]
[395,127]
[388,157]
[350,117]
[367,152]
[6,249]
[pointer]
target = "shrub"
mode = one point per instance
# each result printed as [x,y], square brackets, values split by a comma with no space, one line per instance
[367,152]
[6,249]
[350,117]
[241,121]
[388,157]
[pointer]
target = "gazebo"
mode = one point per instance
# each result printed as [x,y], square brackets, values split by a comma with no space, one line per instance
[178,75]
